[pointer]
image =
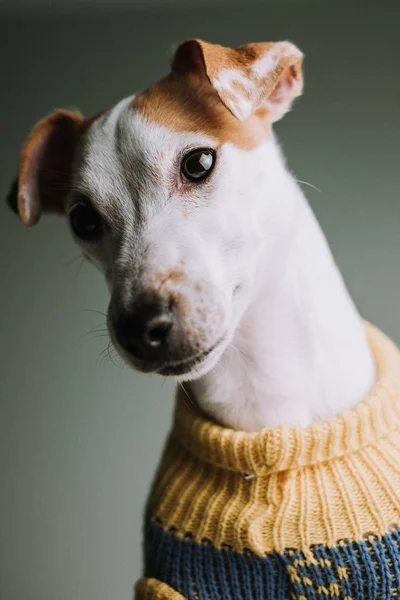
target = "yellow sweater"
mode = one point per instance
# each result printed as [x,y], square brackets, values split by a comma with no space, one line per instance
[309,513]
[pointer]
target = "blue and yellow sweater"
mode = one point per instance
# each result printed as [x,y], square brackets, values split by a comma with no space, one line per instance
[302,514]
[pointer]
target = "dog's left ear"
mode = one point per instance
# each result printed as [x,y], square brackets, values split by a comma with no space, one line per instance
[248,77]
[45,169]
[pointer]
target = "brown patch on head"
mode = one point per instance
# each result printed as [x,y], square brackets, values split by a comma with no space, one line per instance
[189,103]
[230,95]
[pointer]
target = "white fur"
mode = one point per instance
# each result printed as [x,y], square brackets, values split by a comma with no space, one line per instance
[267,63]
[299,353]
[292,347]
[242,107]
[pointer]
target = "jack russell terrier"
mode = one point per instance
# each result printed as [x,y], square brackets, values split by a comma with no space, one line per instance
[281,475]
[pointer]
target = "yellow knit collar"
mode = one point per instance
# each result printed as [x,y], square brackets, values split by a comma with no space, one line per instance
[278,448]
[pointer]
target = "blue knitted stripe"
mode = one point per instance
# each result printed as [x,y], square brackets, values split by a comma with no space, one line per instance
[394,563]
[340,562]
[223,576]
[369,569]
[201,572]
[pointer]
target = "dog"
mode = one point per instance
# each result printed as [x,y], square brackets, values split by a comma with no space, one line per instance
[281,479]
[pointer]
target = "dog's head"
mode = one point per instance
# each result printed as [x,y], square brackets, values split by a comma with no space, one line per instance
[165,193]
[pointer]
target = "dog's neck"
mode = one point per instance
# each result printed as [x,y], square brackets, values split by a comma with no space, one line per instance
[300,352]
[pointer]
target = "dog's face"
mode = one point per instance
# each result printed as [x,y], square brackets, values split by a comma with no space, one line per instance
[165,194]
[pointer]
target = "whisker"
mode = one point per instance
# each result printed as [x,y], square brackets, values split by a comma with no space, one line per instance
[190,403]
[116,354]
[246,358]
[96,312]
[84,259]
[101,357]
[94,330]
[95,337]
[309,184]
[73,260]
[242,354]
[100,331]
[110,356]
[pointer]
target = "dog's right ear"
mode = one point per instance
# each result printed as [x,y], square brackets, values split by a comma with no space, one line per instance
[246,78]
[45,169]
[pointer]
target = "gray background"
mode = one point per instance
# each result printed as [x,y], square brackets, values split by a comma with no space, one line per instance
[79,440]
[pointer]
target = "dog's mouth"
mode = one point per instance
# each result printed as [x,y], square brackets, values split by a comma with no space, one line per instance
[191,366]
[186,366]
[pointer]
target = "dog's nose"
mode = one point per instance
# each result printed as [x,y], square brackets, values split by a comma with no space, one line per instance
[156,330]
[144,332]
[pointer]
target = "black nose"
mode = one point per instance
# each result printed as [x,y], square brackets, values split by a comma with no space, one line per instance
[156,330]
[144,332]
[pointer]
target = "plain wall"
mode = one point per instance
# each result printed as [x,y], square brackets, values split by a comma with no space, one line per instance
[79,440]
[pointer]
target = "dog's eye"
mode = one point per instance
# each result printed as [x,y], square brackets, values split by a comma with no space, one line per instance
[198,164]
[86,223]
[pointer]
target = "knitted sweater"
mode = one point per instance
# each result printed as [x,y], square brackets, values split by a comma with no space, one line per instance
[306,514]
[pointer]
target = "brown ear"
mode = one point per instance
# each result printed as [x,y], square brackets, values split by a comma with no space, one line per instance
[44,177]
[246,78]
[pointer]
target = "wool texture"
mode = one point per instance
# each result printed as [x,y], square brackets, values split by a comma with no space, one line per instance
[286,513]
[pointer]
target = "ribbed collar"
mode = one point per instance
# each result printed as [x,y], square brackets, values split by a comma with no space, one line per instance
[278,448]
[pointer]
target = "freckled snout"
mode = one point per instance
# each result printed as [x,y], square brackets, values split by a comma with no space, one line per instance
[167,330]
